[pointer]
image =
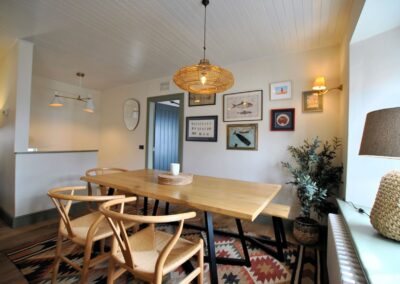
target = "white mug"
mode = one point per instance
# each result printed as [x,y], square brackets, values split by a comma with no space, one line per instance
[174,169]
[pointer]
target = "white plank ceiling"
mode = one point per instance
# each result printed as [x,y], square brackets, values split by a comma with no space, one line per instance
[125,41]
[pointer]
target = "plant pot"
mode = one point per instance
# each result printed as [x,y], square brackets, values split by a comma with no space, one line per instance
[306,230]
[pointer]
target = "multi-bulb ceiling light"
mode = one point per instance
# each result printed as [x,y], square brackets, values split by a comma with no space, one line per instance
[204,78]
[57,101]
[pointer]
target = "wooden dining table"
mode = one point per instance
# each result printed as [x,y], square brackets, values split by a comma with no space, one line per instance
[241,200]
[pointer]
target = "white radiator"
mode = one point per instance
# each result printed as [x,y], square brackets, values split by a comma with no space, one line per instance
[342,261]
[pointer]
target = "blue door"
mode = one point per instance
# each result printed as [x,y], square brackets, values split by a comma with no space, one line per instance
[166,140]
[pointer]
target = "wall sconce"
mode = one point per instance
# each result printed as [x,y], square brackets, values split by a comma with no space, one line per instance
[319,85]
[58,102]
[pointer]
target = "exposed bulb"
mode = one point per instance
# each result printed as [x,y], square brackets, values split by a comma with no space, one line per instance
[203,79]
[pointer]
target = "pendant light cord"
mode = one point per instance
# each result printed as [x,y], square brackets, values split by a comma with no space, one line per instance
[205,26]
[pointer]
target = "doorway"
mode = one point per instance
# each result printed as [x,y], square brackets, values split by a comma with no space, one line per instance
[164,131]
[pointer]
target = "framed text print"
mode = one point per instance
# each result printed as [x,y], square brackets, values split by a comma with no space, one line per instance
[202,128]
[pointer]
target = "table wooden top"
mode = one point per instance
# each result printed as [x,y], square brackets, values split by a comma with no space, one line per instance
[235,198]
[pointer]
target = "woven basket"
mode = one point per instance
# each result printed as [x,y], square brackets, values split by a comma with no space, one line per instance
[306,233]
[385,214]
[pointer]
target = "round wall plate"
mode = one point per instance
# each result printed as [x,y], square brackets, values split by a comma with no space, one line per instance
[131,114]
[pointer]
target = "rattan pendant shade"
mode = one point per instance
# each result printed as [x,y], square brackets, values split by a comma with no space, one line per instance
[217,79]
[204,78]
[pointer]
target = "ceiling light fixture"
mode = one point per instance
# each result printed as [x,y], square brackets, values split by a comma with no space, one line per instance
[320,86]
[204,78]
[58,102]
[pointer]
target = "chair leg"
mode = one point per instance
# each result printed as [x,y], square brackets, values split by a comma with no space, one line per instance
[111,270]
[57,259]
[200,260]
[86,263]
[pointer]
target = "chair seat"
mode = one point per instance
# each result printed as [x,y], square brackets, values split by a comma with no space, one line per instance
[145,255]
[82,224]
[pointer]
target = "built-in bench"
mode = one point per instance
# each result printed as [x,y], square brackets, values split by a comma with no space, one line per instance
[277,212]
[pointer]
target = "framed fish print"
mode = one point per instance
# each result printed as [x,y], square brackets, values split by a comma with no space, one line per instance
[282,119]
[241,136]
[201,100]
[243,106]
[313,101]
[202,128]
[281,90]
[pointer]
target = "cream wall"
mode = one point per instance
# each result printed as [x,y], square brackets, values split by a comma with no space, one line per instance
[119,147]
[65,128]
[15,91]
[374,84]
[8,94]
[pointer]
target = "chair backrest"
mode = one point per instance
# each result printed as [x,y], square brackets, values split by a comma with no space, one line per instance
[104,171]
[117,217]
[63,197]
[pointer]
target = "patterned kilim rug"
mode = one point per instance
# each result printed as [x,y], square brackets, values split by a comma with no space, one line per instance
[301,264]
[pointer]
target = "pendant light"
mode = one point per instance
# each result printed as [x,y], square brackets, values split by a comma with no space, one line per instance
[204,78]
[57,100]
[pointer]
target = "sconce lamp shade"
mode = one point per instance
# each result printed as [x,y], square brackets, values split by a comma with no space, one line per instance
[319,84]
[203,78]
[89,106]
[56,102]
[381,136]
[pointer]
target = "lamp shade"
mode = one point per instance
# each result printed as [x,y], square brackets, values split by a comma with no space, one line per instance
[89,106]
[319,84]
[56,101]
[381,136]
[203,78]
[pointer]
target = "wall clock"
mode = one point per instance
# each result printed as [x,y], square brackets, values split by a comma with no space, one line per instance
[131,114]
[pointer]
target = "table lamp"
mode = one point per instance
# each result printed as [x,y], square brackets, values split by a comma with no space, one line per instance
[381,137]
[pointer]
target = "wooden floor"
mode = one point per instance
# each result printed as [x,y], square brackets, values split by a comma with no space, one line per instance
[12,238]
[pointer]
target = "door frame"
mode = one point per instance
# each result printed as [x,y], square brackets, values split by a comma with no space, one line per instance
[150,126]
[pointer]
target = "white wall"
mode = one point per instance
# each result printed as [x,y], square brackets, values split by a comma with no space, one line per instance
[8,94]
[24,86]
[374,84]
[36,173]
[63,128]
[119,147]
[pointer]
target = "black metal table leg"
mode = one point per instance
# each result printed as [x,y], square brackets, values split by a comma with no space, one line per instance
[243,240]
[282,231]
[155,208]
[211,248]
[166,208]
[278,238]
[145,201]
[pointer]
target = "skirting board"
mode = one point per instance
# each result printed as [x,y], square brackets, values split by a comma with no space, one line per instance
[29,219]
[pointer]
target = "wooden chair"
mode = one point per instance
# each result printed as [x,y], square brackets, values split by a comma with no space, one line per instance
[150,254]
[82,231]
[103,171]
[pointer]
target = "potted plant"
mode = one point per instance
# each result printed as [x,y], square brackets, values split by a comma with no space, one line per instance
[316,179]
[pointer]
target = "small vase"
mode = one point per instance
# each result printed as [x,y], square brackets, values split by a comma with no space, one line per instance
[306,230]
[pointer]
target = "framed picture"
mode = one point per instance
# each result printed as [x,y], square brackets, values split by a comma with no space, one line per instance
[312,101]
[282,119]
[281,90]
[201,100]
[241,136]
[202,128]
[243,106]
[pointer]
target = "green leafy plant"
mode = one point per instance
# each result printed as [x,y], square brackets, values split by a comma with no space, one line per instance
[315,176]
